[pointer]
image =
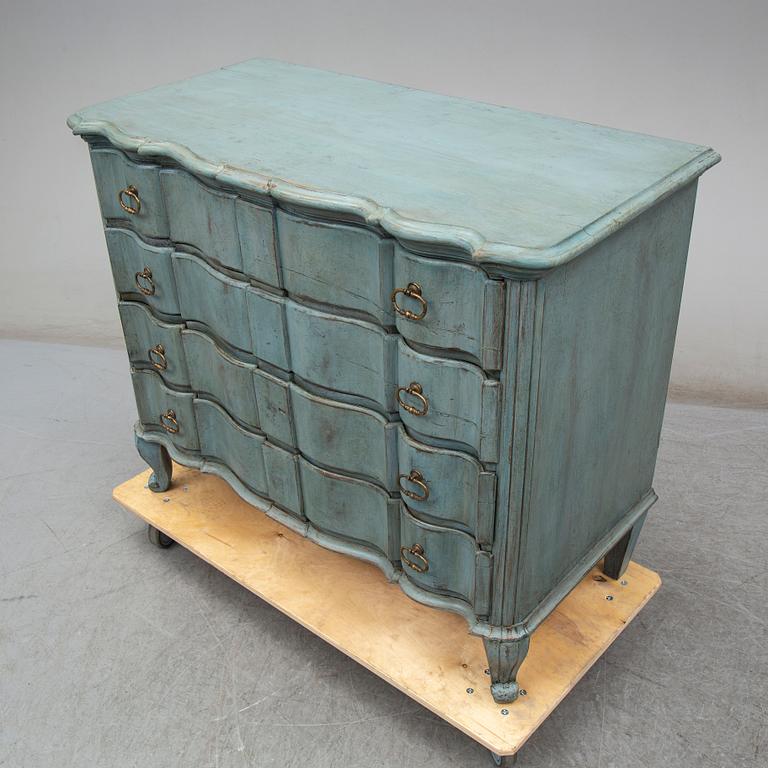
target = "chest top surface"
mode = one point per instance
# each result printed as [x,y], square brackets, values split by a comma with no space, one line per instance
[520,191]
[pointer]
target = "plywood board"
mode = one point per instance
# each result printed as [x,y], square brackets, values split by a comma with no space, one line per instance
[426,653]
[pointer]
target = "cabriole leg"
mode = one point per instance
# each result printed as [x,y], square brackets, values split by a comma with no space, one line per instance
[617,560]
[504,660]
[159,460]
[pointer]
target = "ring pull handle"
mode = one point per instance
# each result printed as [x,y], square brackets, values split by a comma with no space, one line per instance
[416,478]
[168,421]
[415,551]
[134,204]
[414,390]
[412,291]
[144,282]
[157,357]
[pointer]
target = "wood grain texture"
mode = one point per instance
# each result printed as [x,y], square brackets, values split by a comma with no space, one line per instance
[424,652]
[113,172]
[462,401]
[336,264]
[143,332]
[516,190]
[129,255]
[459,298]
[598,390]
[202,217]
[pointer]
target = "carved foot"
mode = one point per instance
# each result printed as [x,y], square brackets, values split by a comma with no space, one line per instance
[618,559]
[504,660]
[160,462]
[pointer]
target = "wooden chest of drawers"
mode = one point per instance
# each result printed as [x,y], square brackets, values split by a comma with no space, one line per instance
[429,333]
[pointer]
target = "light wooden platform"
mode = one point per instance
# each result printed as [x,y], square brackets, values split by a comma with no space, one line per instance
[426,653]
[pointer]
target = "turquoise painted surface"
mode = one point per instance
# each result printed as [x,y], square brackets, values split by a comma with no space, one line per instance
[143,333]
[535,382]
[449,556]
[513,188]
[129,256]
[336,264]
[222,377]
[155,402]
[114,172]
[463,310]
[223,440]
[209,297]
[202,217]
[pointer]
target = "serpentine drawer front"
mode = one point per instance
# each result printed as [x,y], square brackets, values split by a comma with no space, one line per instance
[428,333]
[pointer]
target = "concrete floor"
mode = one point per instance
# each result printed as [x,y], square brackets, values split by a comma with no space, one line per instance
[114,653]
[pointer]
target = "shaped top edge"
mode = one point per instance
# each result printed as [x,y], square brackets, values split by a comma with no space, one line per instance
[515,191]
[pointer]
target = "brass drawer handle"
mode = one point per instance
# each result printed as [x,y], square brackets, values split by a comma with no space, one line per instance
[168,421]
[133,194]
[415,551]
[157,357]
[414,389]
[412,291]
[144,282]
[416,478]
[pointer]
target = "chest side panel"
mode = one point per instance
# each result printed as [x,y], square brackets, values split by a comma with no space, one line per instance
[607,335]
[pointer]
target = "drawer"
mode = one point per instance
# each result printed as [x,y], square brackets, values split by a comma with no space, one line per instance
[202,217]
[165,410]
[447,487]
[209,297]
[343,354]
[350,508]
[266,469]
[142,271]
[336,264]
[345,437]
[216,375]
[450,400]
[137,185]
[445,561]
[224,441]
[449,305]
[256,231]
[253,397]
[152,343]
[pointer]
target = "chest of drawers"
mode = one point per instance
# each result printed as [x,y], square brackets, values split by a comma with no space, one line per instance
[426,332]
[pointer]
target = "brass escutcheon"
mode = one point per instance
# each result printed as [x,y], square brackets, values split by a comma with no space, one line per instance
[416,550]
[157,357]
[168,421]
[414,389]
[412,291]
[416,478]
[133,194]
[144,282]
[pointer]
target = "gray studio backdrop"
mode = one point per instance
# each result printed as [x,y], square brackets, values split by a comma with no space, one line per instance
[691,70]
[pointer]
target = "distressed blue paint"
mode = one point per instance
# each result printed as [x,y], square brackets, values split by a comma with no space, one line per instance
[280,209]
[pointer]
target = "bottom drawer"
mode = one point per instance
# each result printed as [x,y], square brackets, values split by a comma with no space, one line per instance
[266,469]
[351,509]
[163,409]
[445,561]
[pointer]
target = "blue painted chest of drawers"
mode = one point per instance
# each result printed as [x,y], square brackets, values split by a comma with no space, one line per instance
[427,332]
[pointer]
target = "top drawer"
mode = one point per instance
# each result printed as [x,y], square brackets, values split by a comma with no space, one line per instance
[449,305]
[130,191]
[170,203]
[436,303]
